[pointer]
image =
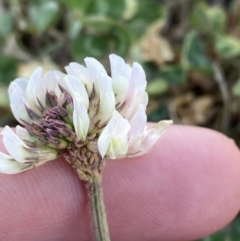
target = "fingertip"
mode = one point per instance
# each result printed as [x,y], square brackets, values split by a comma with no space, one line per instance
[187,187]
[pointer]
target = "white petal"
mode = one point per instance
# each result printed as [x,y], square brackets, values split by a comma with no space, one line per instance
[21,83]
[50,83]
[81,73]
[58,74]
[23,134]
[120,88]
[14,145]
[32,89]
[18,94]
[113,139]
[138,123]
[138,78]
[23,153]
[34,83]
[74,69]
[61,82]
[59,78]
[152,135]
[18,102]
[81,120]
[129,111]
[52,80]
[35,76]
[136,91]
[94,68]
[120,72]
[76,87]
[135,148]
[104,91]
[119,67]
[10,166]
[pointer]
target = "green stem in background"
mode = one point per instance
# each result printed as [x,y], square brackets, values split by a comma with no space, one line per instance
[98,210]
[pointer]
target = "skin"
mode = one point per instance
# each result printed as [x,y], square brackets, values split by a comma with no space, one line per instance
[187,187]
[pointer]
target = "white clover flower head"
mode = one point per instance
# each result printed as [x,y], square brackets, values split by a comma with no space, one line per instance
[84,115]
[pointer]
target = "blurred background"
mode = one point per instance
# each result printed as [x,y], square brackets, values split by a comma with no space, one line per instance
[190,50]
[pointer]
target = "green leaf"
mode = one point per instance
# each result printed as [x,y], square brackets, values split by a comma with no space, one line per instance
[194,54]
[151,69]
[116,31]
[198,16]
[219,236]
[236,88]
[88,45]
[8,68]
[173,75]
[109,8]
[217,18]
[130,10]
[156,12]
[208,19]
[148,12]
[43,15]
[230,233]
[157,87]
[227,46]
[75,27]
[99,23]
[6,24]
[161,113]
[121,42]
[78,4]
[234,229]
[4,100]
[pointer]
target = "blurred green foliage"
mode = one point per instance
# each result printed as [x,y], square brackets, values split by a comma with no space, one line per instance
[194,53]
[189,49]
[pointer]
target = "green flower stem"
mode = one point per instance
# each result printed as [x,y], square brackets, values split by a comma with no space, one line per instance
[98,210]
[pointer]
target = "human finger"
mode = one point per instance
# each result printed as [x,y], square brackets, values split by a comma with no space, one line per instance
[188,186]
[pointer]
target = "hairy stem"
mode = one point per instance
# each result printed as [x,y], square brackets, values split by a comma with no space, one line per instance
[98,210]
